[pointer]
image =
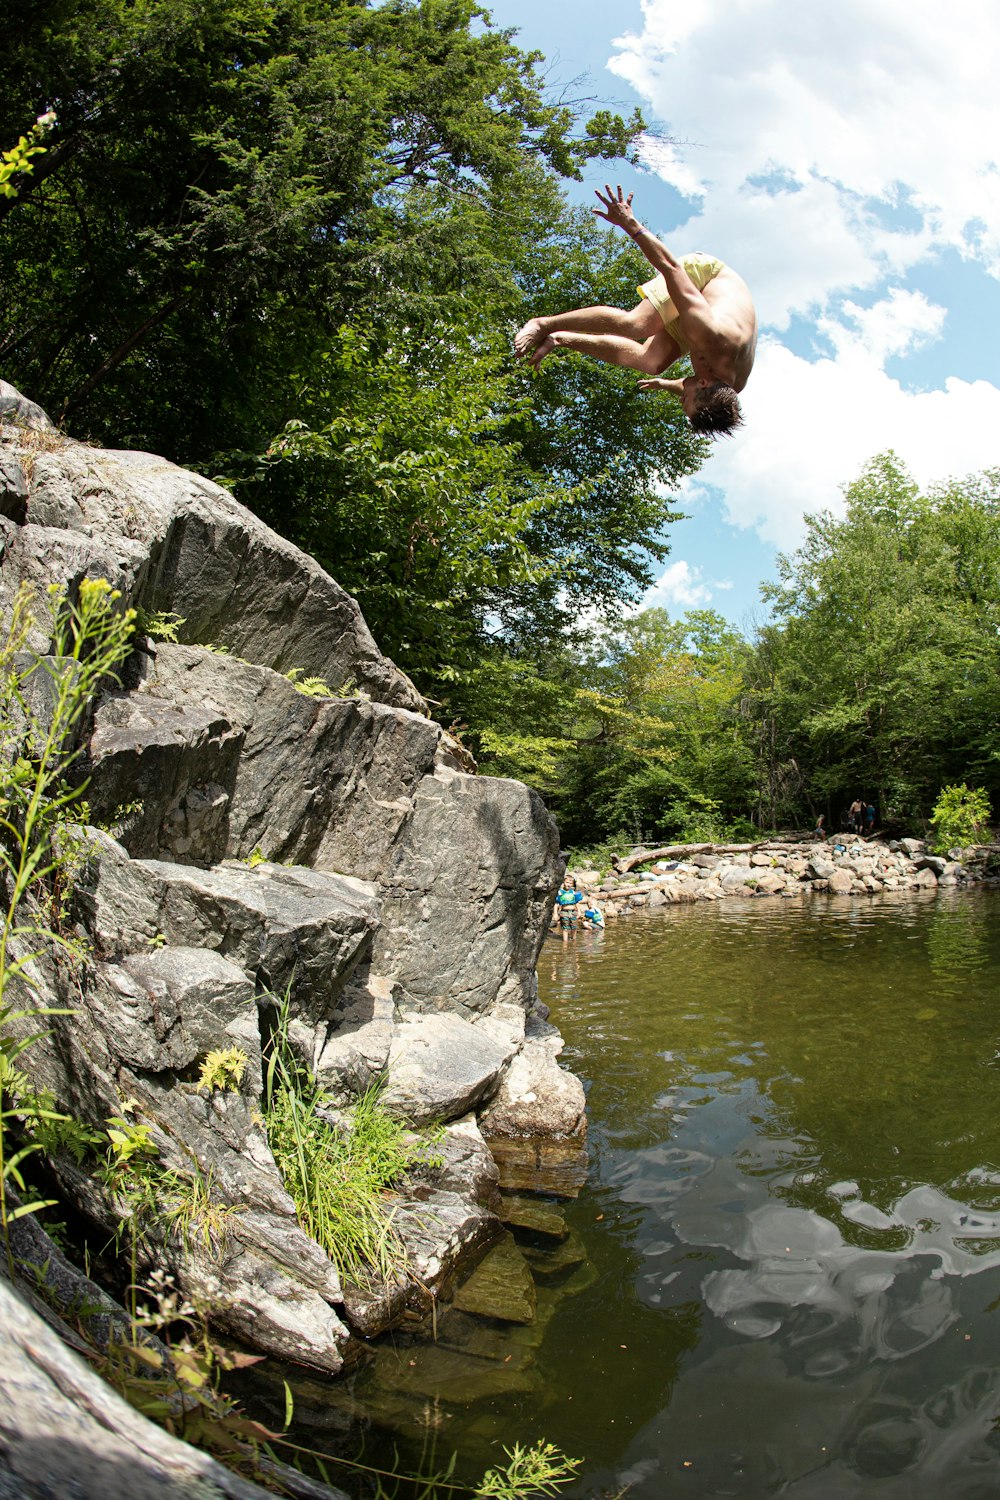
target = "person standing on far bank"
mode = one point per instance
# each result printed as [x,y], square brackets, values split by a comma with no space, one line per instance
[694,305]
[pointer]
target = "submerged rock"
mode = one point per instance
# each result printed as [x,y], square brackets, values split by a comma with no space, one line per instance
[500,1287]
[535,1215]
[536,1124]
[554,1262]
[539,1164]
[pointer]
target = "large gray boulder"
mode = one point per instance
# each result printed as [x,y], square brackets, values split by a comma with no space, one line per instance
[20,412]
[352,1054]
[226,758]
[441,1066]
[270,846]
[537,1097]
[175,542]
[284,926]
[165,1007]
[466,899]
[224,1225]
[316,781]
[64,1433]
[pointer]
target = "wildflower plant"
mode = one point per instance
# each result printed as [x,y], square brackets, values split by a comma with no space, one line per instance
[43,702]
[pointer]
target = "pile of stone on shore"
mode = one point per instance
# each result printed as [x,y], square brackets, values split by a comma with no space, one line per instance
[839,866]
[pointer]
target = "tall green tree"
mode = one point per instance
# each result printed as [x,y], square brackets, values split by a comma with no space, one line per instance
[634,731]
[463,499]
[288,241]
[881,675]
[231,177]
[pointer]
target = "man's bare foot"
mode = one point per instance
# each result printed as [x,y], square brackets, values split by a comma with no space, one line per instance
[552,341]
[530,335]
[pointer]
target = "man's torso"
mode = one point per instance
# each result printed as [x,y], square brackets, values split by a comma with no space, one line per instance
[726,351]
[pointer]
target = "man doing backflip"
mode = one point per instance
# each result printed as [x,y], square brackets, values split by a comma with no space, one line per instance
[694,305]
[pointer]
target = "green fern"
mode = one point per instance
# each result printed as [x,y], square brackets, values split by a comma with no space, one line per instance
[223,1070]
[157,625]
[310,687]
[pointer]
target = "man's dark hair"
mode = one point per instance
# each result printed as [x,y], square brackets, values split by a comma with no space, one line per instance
[717,410]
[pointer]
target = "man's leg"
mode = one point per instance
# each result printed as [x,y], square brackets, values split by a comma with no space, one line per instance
[637,323]
[650,356]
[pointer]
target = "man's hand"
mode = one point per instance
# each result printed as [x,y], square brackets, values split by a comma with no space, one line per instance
[675,387]
[617,210]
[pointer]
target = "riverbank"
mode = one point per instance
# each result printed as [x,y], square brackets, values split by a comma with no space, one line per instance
[839,866]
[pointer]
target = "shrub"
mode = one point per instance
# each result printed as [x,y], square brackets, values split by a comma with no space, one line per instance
[960,816]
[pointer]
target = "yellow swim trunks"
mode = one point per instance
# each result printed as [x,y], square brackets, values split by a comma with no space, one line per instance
[702,269]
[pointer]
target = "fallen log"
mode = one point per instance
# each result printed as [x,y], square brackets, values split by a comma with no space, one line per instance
[682,851]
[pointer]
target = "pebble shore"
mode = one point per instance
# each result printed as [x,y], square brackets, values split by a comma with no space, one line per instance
[839,867]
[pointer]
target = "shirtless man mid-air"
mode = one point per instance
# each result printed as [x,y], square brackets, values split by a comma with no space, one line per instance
[694,305]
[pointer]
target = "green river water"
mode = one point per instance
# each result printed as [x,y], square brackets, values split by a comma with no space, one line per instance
[783,1274]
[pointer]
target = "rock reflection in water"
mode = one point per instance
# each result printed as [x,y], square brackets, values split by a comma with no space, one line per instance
[448,1384]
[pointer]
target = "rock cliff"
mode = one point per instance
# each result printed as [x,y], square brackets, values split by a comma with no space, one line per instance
[266,843]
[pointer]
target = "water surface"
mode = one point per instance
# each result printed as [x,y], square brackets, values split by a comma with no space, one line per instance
[790,1281]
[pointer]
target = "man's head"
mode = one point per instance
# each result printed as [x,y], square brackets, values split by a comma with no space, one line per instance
[711,407]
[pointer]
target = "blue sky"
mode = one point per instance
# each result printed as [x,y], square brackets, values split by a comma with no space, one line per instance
[844,159]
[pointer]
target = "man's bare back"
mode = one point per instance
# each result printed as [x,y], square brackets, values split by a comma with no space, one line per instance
[695,306]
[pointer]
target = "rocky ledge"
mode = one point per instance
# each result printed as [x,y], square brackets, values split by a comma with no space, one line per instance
[258,845]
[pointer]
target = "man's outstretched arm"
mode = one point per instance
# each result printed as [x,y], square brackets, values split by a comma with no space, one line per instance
[686,297]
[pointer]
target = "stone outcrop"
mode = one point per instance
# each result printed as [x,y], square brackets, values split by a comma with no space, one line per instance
[838,866]
[63,1432]
[174,542]
[536,1123]
[333,858]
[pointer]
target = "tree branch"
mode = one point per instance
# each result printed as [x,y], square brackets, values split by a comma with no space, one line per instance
[680,851]
[124,349]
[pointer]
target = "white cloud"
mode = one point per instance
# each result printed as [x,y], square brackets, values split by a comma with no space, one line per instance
[897,325]
[681,587]
[852,105]
[793,247]
[829,151]
[812,426]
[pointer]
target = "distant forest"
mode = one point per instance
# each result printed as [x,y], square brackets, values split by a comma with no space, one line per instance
[287,242]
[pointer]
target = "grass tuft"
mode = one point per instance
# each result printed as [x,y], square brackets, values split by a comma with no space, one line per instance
[339,1175]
